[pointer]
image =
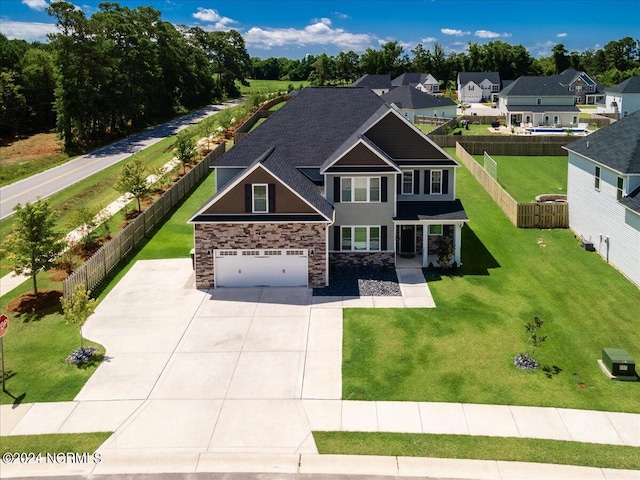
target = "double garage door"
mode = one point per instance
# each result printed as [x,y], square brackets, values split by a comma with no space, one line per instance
[272,268]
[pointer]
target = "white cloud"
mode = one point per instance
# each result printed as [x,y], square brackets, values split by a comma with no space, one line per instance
[562,35]
[212,16]
[451,31]
[318,33]
[341,16]
[428,40]
[490,34]
[36,4]
[29,31]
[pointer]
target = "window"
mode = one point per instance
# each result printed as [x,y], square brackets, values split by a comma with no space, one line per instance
[360,239]
[620,190]
[597,179]
[260,202]
[435,229]
[360,189]
[539,101]
[471,87]
[578,88]
[407,182]
[436,182]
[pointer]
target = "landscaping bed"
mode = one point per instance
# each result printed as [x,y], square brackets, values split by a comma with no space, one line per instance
[361,282]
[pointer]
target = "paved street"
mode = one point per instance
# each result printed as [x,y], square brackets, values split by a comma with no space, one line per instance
[47,183]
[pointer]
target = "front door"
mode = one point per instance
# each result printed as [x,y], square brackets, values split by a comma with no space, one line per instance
[407,239]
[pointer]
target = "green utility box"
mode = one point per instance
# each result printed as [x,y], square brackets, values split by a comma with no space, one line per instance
[618,362]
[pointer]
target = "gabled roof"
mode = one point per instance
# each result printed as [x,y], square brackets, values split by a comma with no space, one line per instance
[536,86]
[616,146]
[478,77]
[377,82]
[630,85]
[410,98]
[570,75]
[413,79]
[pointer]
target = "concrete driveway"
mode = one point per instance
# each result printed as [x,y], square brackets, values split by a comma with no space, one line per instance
[219,371]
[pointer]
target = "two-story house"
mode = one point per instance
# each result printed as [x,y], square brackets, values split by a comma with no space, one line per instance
[474,87]
[623,99]
[425,82]
[603,190]
[412,102]
[334,177]
[586,91]
[538,101]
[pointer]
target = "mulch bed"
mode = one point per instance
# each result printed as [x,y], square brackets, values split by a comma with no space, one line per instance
[30,302]
[361,281]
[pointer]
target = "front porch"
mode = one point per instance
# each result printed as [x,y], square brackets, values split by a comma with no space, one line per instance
[419,225]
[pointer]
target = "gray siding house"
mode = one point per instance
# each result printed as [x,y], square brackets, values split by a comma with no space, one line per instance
[335,177]
[603,191]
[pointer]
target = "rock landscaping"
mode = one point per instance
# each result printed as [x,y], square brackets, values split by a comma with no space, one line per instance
[361,281]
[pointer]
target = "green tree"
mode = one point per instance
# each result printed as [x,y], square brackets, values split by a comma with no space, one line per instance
[323,70]
[78,308]
[33,245]
[560,58]
[346,66]
[185,149]
[13,105]
[133,180]
[85,219]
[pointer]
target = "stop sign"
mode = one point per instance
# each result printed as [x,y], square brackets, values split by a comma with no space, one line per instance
[4,323]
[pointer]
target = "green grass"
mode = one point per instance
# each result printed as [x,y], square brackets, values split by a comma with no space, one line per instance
[524,177]
[462,351]
[12,172]
[43,444]
[478,130]
[478,447]
[268,86]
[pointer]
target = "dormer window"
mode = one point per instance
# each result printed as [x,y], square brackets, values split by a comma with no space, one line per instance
[260,199]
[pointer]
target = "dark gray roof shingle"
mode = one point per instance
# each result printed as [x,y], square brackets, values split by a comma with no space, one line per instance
[630,85]
[632,201]
[478,77]
[373,81]
[616,146]
[536,85]
[410,98]
[437,211]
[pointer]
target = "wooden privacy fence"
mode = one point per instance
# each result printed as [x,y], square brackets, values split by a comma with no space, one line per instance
[96,268]
[506,145]
[522,215]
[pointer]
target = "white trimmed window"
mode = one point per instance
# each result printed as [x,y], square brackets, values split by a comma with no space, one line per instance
[260,197]
[597,179]
[360,189]
[620,189]
[435,229]
[436,182]
[407,182]
[360,239]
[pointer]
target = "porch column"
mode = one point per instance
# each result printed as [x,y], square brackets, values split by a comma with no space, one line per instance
[425,245]
[457,242]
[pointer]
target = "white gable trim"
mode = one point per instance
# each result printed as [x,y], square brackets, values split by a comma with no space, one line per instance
[369,145]
[234,183]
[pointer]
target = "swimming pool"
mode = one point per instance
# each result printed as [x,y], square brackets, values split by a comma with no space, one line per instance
[554,130]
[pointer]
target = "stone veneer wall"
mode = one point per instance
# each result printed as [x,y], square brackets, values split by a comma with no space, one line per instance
[212,236]
[365,259]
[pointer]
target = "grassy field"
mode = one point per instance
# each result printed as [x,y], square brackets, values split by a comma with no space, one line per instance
[28,156]
[480,448]
[268,86]
[524,177]
[462,351]
[43,444]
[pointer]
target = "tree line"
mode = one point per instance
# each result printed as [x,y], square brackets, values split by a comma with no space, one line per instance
[615,62]
[114,72]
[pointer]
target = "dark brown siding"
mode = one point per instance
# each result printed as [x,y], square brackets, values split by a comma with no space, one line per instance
[399,140]
[360,155]
[233,201]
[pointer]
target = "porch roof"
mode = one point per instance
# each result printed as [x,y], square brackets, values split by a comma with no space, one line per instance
[432,211]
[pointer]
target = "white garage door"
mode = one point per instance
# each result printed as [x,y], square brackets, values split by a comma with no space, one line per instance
[250,268]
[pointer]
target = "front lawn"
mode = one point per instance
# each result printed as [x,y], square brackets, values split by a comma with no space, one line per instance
[55,443]
[525,177]
[477,447]
[462,351]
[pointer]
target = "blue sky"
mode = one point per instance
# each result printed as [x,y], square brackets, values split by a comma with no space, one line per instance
[295,28]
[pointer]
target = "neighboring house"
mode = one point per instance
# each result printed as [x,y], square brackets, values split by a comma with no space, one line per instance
[410,102]
[474,87]
[536,101]
[425,82]
[378,83]
[623,99]
[335,177]
[585,90]
[603,191]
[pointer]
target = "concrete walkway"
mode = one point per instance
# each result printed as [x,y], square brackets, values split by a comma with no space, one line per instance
[237,379]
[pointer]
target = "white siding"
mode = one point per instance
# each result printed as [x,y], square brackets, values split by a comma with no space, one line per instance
[596,215]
